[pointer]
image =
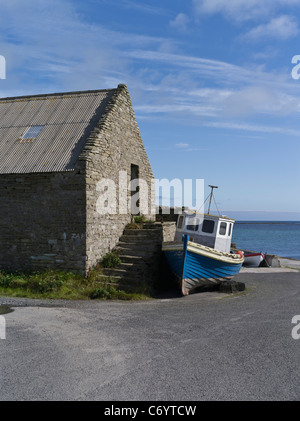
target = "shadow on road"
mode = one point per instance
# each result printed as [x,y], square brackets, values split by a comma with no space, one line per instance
[176,293]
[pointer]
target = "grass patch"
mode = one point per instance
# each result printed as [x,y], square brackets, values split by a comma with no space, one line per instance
[134,226]
[111,260]
[51,284]
[141,219]
[140,223]
[4,309]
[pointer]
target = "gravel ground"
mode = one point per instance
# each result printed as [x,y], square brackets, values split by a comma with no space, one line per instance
[206,346]
[29,302]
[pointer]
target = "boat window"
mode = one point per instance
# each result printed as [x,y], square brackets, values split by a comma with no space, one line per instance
[222,230]
[208,226]
[180,222]
[229,230]
[194,225]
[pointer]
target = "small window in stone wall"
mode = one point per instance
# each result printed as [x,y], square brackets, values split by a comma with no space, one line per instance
[135,189]
[31,133]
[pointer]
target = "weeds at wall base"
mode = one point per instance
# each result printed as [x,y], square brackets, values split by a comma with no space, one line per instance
[66,285]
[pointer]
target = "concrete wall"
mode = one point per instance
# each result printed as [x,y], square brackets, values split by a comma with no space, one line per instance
[42,221]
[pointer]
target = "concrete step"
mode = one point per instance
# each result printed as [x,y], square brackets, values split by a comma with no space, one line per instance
[149,248]
[143,232]
[157,225]
[132,267]
[137,260]
[123,273]
[139,240]
[134,252]
[119,281]
[109,279]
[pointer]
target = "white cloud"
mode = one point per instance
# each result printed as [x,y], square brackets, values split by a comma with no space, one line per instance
[282,27]
[182,145]
[191,108]
[186,147]
[206,90]
[259,100]
[163,84]
[180,22]
[142,7]
[242,10]
[205,67]
[72,54]
[216,71]
[252,128]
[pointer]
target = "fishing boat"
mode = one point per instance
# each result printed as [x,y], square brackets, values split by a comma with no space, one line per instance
[200,254]
[253,259]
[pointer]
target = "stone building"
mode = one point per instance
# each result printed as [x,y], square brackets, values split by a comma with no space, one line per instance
[66,163]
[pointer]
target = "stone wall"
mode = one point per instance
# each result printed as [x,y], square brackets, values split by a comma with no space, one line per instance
[42,223]
[168,230]
[113,146]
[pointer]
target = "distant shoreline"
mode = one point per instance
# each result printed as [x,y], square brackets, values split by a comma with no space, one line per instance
[281,238]
[267,222]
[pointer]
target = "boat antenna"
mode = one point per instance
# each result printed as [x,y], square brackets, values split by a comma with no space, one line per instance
[211,196]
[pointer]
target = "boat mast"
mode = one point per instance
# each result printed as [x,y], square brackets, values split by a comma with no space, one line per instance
[211,195]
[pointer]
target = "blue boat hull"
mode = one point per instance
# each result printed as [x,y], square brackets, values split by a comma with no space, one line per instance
[196,266]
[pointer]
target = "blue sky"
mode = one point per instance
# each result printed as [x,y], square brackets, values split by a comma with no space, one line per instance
[210,82]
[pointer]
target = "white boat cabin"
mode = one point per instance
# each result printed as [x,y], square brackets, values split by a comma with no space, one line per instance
[208,230]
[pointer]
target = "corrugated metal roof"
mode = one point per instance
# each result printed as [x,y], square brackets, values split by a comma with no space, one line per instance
[68,119]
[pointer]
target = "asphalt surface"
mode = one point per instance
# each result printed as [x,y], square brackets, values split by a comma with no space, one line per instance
[206,346]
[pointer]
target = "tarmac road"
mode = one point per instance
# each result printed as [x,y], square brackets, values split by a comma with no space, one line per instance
[206,346]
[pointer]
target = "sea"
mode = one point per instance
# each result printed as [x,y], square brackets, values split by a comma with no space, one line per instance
[280,237]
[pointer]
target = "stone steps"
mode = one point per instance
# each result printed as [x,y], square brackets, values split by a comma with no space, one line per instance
[137,260]
[130,239]
[118,281]
[120,271]
[135,249]
[139,251]
[155,232]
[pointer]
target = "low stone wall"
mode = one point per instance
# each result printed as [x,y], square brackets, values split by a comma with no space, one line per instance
[168,229]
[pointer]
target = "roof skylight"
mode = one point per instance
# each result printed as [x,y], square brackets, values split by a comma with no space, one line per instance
[31,133]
